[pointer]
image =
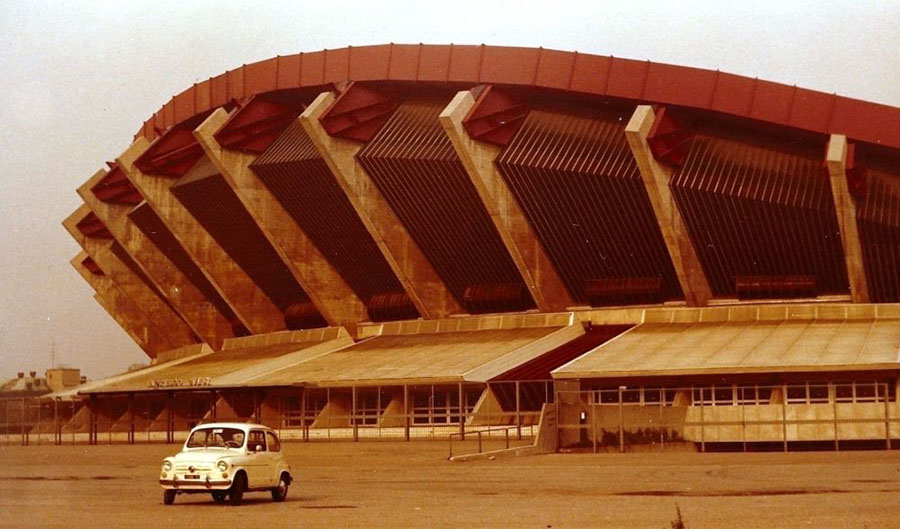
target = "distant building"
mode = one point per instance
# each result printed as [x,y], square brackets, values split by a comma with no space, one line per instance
[62,378]
[25,386]
[57,379]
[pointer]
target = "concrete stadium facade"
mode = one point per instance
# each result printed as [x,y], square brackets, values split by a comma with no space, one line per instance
[440,238]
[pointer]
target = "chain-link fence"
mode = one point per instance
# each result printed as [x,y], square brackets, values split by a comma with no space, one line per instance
[731,417]
[307,414]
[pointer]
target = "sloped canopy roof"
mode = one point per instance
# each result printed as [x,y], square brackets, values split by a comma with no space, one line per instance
[233,366]
[428,358]
[655,349]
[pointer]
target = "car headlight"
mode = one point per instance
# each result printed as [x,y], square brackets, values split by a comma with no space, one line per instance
[223,466]
[167,465]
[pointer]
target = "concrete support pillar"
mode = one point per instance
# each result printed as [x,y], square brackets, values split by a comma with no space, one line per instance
[426,289]
[328,291]
[543,282]
[656,181]
[252,307]
[175,331]
[190,303]
[845,209]
[127,314]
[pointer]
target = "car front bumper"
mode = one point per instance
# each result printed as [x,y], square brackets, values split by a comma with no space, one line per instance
[195,484]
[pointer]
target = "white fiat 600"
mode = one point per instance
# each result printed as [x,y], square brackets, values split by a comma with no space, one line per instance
[227,460]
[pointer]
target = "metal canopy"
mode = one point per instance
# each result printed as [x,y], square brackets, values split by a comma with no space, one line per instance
[656,349]
[427,358]
[240,361]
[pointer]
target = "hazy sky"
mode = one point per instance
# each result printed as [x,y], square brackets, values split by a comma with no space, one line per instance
[77,79]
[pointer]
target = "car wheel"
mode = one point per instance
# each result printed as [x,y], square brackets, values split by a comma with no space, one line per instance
[279,493]
[168,496]
[219,497]
[236,494]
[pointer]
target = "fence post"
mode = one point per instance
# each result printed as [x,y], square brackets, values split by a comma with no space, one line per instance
[24,435]
[593,405]
[837,444]
[57,440]
[702,422]
[887,419]
[462,415]
[353,413]
[38,425]
[518,412]
[131,418]
[784,416]
[304,431]
[406,412]
[621,420]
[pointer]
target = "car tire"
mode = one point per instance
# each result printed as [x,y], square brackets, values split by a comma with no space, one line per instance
[236,493]
[168,496]
[219,497]
[279,493]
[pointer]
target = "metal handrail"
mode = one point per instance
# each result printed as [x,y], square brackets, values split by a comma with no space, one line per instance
[478,433]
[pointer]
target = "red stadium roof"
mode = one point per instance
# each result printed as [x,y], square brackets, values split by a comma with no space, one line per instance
[744,97]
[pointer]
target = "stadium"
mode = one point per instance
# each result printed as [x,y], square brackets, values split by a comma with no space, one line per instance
[418,241]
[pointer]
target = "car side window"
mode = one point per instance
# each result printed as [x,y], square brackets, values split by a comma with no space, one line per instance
[257,439]
[274,445]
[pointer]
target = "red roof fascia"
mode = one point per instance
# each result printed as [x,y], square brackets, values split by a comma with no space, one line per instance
[639,81]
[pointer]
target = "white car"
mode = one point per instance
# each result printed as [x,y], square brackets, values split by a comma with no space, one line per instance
[227,460]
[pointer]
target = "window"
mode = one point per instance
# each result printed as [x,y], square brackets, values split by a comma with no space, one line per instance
[256,442]
[865,391]
[796,394]
[274,445]
[843,391]
[818,394]
[216,437]
[724,396]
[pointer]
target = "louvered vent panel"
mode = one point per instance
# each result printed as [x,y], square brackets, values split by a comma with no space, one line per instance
[413,164]
[300,180]
[220,212]
[759,211]
[577,183]
[879,227]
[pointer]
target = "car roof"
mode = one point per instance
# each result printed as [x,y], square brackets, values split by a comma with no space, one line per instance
[238,425]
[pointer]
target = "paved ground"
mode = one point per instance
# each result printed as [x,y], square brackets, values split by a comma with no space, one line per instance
[412,485]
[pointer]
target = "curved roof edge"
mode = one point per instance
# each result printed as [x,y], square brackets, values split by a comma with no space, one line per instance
[644,81]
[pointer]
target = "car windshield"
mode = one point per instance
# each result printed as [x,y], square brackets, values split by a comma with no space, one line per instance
[216,437]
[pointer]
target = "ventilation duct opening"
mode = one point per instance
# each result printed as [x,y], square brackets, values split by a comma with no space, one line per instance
[775,287]
[506,297]
[392,306]
[303,315]
[624,291]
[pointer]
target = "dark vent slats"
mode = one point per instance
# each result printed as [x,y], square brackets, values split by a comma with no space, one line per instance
[414,166]
[295,173]
[579,187]
[879,227]
[220,212]
[759,211]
